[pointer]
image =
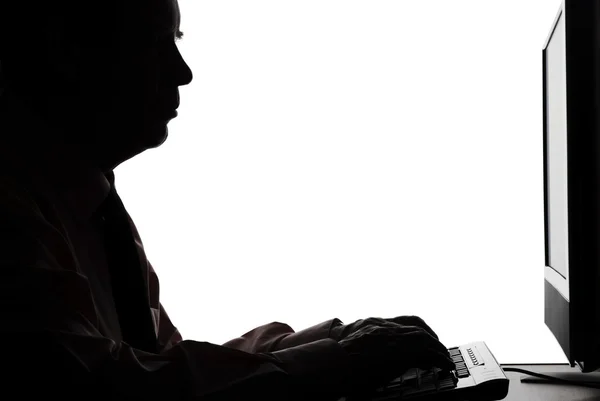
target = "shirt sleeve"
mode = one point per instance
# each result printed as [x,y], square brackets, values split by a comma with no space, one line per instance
[278,336]
[168,334]
[52,347]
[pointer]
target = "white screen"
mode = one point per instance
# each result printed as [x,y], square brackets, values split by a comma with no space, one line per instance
[557,151]
[353,158]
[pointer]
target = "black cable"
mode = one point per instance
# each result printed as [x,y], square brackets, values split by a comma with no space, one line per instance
[551,378]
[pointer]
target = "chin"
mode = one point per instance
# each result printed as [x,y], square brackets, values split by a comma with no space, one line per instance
[156,135]
[150,135]
[133,141]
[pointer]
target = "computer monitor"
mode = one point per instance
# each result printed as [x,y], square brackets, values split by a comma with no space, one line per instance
[571,93]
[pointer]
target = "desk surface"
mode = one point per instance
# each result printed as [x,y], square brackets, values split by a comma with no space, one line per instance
[546,391]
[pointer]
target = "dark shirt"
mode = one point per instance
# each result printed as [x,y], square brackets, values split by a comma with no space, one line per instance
[60,324]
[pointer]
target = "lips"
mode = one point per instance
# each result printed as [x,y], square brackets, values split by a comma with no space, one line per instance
[168,107]
[162,114]
[168,114]
[165,109]
[169,110]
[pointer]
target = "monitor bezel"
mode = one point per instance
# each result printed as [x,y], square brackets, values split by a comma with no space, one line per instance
[556,303]
[556,279]
[576,322]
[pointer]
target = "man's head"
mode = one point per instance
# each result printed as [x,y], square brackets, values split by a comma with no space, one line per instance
[104,74]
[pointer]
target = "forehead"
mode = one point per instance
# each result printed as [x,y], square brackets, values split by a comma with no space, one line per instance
[168,14]
[158,15]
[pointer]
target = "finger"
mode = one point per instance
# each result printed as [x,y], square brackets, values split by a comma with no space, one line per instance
[437,345]
[421,338]
[414,321]
[377,321]
[433,358]
[443,361]
[374,321]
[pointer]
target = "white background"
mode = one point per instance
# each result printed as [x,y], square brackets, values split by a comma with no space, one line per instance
[351,159]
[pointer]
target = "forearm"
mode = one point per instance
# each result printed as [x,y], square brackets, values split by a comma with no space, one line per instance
[277,336]
[97,369]
[317,332]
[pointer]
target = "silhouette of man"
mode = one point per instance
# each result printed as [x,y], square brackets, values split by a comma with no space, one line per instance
[85,86]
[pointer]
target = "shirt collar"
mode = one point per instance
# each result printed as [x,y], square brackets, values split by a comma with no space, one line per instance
[81,189]
[86,193]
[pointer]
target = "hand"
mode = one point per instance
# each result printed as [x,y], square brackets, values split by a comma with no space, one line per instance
[340,332]
[380,354]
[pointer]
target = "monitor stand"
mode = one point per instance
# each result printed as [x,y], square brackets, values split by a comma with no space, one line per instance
[592,378]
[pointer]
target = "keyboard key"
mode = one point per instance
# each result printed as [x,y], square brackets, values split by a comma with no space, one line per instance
[448,380]
[425,389]
[446,384]
[415,382]
[410,374]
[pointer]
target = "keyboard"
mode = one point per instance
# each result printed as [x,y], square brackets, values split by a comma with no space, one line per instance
[478,376]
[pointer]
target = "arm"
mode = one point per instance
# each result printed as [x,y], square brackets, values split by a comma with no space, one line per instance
[51,345]
[279,336]
[78,363]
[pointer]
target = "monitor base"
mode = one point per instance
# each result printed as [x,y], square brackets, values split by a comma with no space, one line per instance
[592,378]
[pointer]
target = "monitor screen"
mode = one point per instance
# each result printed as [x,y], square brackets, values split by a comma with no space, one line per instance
[556,151]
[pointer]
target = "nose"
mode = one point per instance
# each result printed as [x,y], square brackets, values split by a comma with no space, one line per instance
[183,72]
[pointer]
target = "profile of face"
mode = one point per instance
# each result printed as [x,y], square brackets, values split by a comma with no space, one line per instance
[141,96]
[115,89]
